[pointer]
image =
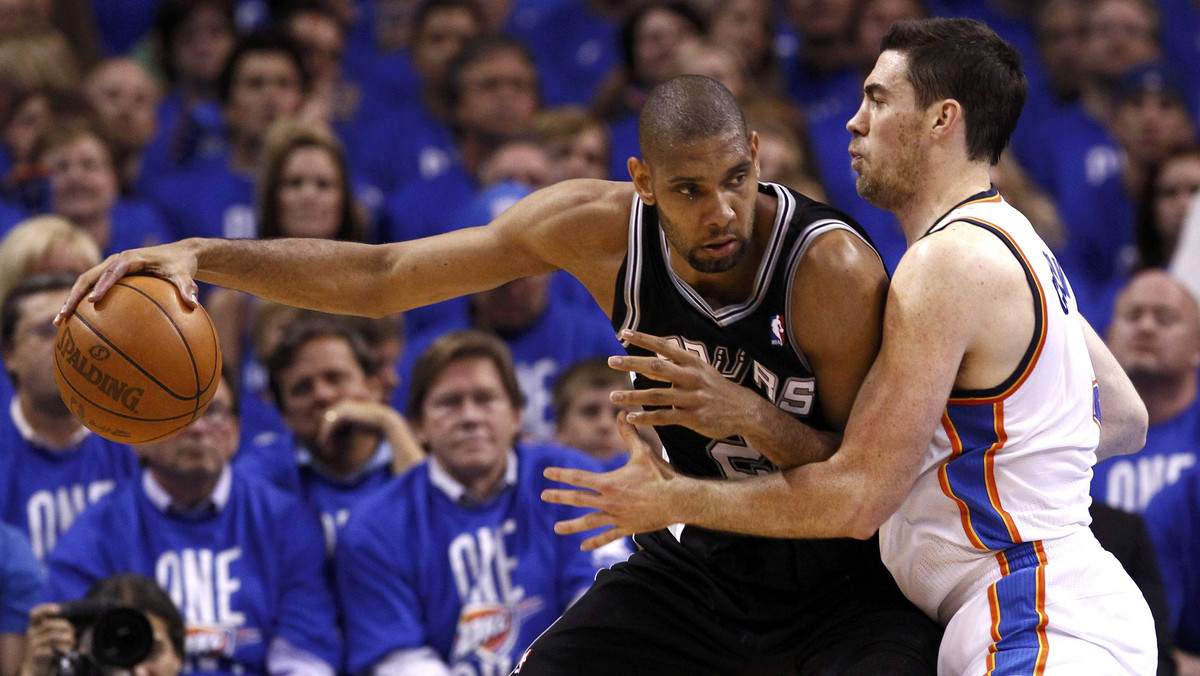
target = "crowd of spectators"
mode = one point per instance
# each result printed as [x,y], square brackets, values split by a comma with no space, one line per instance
[131,123]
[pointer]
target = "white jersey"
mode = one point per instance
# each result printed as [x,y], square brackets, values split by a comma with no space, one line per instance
[1007,474]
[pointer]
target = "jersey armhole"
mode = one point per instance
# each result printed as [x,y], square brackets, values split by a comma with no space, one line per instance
[1036,341]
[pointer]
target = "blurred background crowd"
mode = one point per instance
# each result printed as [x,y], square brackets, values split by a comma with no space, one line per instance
[134,122]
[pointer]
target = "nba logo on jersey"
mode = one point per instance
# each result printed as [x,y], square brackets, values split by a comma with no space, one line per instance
[777,334]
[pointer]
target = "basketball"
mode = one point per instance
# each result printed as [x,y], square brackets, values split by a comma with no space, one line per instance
[139,365]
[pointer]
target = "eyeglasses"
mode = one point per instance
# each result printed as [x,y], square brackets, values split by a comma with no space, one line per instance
[216,414]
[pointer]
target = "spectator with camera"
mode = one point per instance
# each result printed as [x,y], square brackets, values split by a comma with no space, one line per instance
[78,637]
[243,561]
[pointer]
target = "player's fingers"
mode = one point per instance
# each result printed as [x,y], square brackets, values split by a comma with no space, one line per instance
[597,541]
[656,396]
[572,498]
[83,284]
[589,521]
[662,416]
[658,345]
[576,477]
[187,289]
[633,441]
[651,367]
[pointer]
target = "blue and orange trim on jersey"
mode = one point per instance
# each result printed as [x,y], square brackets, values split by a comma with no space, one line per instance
[1018,609]
[976,434]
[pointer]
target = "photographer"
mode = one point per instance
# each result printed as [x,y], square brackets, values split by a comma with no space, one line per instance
[51,635]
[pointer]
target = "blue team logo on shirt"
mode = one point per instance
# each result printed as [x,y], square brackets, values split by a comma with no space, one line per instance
[778,334]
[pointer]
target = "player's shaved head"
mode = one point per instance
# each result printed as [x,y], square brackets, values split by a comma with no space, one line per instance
[685,109]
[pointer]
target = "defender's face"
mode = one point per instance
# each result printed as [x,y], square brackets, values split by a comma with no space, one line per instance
[705,192]
[885,148]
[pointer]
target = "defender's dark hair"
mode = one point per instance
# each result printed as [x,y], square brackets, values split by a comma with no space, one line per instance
[301,333]
[687,108]
[964,60]
[268,41]
[141,593]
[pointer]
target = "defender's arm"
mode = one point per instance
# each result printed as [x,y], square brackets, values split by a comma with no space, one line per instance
[1123,416]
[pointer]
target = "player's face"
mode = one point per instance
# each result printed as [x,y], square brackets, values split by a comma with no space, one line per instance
[31,358]
[126,98]
[266,87]
[468,420]
[590,424]
[323,373]
[201,451]
[310,194]
[885,144]
[1178,182]
[705,192]
[1155,331]
[83,181]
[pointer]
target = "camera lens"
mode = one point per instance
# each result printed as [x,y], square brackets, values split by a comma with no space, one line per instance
[121,637]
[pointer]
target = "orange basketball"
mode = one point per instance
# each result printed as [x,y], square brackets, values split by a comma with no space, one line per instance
[139,365]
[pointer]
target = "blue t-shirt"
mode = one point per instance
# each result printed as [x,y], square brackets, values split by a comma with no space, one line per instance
[136,224]
[242,576]
[21,580]
[44,491]
[332,499]
[187,135]
[121,25]
[573,48]
[1130,482]
[476,583]
[1173,519]
[400,146]
[207,200]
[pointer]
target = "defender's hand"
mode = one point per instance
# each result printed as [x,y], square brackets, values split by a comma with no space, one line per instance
[699,397]
[175,262]
[633,499]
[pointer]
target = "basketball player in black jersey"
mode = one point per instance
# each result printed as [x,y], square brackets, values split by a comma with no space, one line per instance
[780,301]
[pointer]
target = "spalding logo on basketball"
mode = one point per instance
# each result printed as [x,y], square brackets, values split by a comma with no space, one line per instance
[139,365]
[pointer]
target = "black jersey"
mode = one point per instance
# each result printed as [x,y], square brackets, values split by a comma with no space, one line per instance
[749,343]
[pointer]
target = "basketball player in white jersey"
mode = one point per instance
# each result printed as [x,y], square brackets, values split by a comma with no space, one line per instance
[971,443]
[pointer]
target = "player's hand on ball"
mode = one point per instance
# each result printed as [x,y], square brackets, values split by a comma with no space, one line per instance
[699,397]
[633,499]
[175,262]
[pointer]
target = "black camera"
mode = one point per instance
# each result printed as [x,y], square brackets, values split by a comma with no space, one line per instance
[121,637]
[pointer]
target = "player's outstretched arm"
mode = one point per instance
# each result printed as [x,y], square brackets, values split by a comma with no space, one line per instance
[1123,416]
[574,225]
